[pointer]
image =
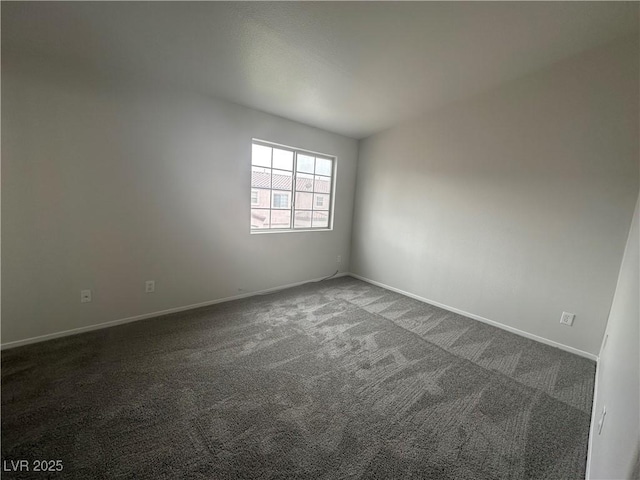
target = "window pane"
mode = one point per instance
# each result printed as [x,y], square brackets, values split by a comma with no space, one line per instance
[282,180]
[283,159]
[259,218]
[323,166]
[280,218]
[303,200]
[305,163]
[281,200]
[260,198]
[302,219]
[320,201]
[304,182]
[320,219]
[261,156]
[323,184]
[260,177]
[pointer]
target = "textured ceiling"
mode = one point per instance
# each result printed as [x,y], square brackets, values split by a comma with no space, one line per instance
[349,67]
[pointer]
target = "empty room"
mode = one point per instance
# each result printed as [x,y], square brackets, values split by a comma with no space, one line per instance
[320,240]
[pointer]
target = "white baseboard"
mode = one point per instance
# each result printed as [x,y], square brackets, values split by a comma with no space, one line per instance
[112,323]
[593,426]
[144,316]
[522,333]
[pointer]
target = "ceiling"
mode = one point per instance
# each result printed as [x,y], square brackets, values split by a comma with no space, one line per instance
[353,68]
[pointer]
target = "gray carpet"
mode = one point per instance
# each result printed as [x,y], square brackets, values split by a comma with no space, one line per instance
[333,380]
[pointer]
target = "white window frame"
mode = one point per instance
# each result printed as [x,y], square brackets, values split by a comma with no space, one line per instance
[256,200]
[330,211]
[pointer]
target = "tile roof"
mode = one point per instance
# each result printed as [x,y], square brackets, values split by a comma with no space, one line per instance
[283,182]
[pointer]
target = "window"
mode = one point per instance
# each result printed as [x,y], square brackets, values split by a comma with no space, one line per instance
[281,200]
[291,189]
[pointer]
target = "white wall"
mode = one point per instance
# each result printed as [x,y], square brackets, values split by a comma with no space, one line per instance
[108,183]
[613,451]
[513,205]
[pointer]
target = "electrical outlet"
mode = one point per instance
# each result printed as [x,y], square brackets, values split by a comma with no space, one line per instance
[567,318]
[149,286]
[601,421]
[339,259]
[85,296]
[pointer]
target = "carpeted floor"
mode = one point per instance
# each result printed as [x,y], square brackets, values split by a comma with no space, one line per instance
[333,380]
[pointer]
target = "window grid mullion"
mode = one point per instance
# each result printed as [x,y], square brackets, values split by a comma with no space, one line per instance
[271,192]
[313,190]
[294,183]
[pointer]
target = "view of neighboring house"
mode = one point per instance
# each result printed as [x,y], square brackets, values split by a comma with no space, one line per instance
[272,199]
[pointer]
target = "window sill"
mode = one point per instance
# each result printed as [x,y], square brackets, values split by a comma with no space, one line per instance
[297,230]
